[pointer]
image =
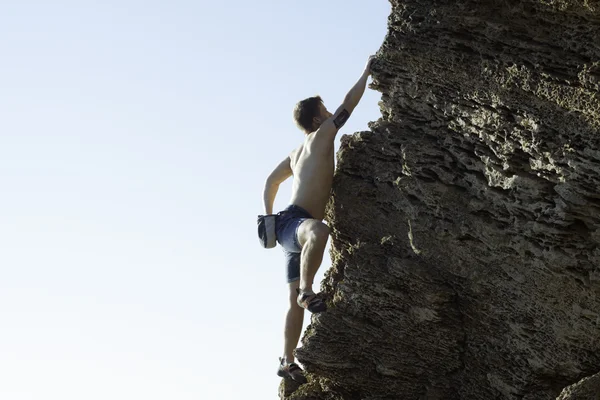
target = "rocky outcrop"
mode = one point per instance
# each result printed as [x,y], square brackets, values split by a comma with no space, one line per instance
[466,223]
[587,389]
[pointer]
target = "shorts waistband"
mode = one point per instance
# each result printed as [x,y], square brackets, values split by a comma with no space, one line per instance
[295,208]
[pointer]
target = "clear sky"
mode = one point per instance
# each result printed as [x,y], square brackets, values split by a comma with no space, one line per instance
[135,138]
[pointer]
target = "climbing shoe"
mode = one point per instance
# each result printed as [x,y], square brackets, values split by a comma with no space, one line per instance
[291,371]
[311,302]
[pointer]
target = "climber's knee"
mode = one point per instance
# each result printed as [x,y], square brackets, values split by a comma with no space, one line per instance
[313,230]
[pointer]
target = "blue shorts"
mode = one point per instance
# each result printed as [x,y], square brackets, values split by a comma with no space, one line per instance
[286,229]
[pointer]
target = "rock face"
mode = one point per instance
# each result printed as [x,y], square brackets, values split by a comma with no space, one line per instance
[466,224]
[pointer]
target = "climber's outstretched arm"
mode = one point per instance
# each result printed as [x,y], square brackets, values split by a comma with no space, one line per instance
[341,115]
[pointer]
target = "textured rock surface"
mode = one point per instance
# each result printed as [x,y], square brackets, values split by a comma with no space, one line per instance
[466,225]
[587,389]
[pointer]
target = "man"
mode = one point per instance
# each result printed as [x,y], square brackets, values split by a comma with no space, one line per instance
[299,228]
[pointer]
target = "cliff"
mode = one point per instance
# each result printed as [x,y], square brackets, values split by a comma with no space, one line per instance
[466,223]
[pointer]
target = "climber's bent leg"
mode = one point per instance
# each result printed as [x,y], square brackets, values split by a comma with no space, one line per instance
[312,237]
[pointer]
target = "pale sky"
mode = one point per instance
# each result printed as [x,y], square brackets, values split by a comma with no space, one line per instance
[135,138]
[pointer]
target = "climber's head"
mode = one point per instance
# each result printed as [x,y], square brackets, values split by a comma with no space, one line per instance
[310,113]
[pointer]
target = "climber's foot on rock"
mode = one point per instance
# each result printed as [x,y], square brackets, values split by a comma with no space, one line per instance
[291,371]
[311,302]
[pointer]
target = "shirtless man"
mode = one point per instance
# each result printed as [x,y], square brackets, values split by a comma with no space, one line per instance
[299,228]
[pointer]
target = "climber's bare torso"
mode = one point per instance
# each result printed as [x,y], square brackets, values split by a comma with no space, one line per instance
[313,165]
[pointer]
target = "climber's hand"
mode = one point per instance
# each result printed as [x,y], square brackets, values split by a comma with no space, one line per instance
[369,63]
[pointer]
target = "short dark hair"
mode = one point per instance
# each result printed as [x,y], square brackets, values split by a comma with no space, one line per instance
[305,111]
